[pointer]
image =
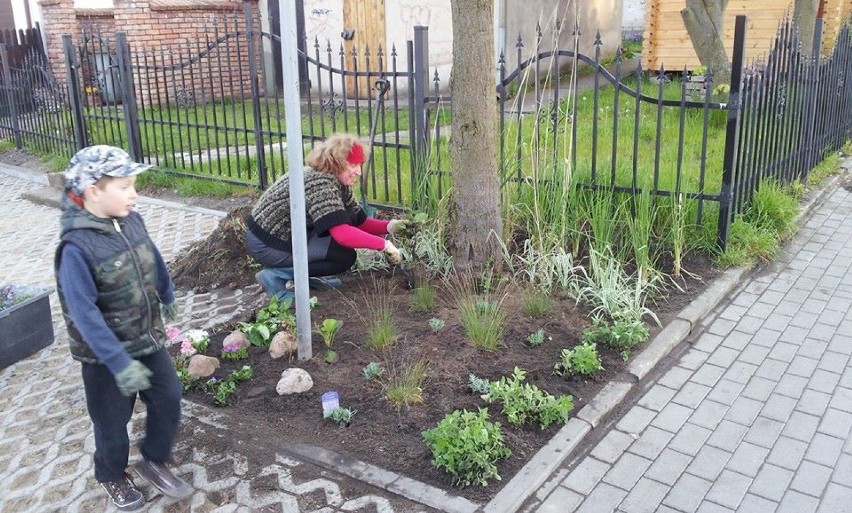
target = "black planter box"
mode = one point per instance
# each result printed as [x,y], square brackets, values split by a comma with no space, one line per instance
[25,328]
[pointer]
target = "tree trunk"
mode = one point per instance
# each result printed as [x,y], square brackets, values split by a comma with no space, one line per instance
[804,17]
[475,217]
[704,22]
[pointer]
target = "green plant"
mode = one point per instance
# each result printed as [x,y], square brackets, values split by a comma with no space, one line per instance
[423,299]
[376,311]
[328,330]
[481,318]
[536,339]
[537,304]
[187,382]
[343,416]
[583,360]
[467,446]
[224,389]
[373,370]
[403,385]
[237,354]
[773,207]
[621,335]
[478,385]
[436,324]
[267,320]
[523,402]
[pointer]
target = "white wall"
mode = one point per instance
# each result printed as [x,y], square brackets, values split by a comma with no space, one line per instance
[633,18]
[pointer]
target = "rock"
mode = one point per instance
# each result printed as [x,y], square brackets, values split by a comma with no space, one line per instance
[236,339]
[294,381]
[201,366]
[283,343]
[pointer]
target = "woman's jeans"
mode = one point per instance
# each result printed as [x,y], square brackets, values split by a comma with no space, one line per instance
[110,412]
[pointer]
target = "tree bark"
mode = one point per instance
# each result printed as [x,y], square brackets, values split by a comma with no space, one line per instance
[704,21]
[475,217]
[804,17]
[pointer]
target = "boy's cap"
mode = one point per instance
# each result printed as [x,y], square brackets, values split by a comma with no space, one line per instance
[91,164]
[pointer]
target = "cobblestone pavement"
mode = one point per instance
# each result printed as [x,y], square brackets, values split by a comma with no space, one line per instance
[46,441]
[755,415]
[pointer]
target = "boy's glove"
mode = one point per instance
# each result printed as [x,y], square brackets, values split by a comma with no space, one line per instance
[392,253]
[133,378]
[170,311]
[397,226]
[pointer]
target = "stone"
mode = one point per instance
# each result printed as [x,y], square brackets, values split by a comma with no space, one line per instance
[236,339]
[201,366]
[294,381]
[283,343]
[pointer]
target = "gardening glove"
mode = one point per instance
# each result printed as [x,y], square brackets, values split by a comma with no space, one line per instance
[133,378]
[397,226]
[392,253]
[170,311]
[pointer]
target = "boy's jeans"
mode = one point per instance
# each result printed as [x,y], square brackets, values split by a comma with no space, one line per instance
[110,412]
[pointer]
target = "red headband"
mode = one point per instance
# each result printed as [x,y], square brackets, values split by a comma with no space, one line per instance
[356,155]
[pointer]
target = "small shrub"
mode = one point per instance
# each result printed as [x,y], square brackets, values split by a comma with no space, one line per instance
[436,324]
[328,330]
[404,385]
[467,446]
[583,359]
[267,321]
[536,339]
[377,316]
[373,370]
[478,385]
[343,416]
[423,299]
[537,305]
[523,402]
[621,335]
[240,353]
[482,321]
[223,389]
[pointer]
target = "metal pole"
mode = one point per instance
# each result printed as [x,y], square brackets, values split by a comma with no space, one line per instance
[128,96]
[811,154]
[255,99]
[292,110]
[11,96]
[420,145]
[71,65]
[732,134]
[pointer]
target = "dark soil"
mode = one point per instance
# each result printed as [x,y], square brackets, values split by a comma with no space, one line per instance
[380,433]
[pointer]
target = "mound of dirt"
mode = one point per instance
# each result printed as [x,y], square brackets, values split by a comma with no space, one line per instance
[220,260]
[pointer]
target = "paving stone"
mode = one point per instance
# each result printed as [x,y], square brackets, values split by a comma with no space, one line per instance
[778,407]
[707,342]
[759,388]
[813,348]
[824,449]
[586,476]
[784,351]
[604,499]
[811,478]
[741,372]
[723,357]
[690,439]
[744,411]
[793,334]
[687,493]
[635,420]
[778,320]
[787,453]
[693,359]
[750,324]
[675,377]
[802,366]
[707,375]
[764,432]
[645,497]
[651,442]
[753,354]
[843,470]
[561,500]
[791,386]
[668,467]
[709,462]
[771,482]
[754,504]
[727,435]
[821,332]
[747,459]
[771,369]
[737,339]
[725,391]
[721,327]
[836,498]
[729,489]
[627,471]
[657,398]
[610,448]
[836,423]
[842,399]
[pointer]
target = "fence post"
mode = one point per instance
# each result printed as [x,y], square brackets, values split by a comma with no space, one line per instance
[255,100]
[11,96]
[128,96]
[420,145]
[77,118]
[810,159]
[731,134]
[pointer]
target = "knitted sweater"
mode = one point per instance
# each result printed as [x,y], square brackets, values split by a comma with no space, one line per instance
[327,203]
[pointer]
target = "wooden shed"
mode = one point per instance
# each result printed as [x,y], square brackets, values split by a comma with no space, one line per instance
[666,42]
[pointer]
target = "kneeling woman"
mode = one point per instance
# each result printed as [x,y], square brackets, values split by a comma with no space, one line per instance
[336,223]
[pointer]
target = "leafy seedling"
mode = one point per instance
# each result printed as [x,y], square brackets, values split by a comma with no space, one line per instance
[328,330]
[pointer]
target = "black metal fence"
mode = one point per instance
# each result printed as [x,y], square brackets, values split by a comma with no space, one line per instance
[203,109]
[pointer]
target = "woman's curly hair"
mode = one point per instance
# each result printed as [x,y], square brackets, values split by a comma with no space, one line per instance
[330,155]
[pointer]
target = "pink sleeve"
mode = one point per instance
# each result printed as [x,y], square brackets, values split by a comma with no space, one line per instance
[374,226]
[352,237]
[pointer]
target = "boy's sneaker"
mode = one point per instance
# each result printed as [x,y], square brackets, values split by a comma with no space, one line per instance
[124,493]
[159,475]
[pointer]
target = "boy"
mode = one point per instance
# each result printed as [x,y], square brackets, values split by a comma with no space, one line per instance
[112,283]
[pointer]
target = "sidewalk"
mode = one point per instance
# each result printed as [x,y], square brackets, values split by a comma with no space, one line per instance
[752,410]
[754,414]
